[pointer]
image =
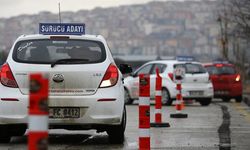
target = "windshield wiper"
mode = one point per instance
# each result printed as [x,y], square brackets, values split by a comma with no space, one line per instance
[225,74]
[198,72]
[66,61]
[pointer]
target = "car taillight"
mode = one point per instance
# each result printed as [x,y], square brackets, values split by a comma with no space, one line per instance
[7,78]
[171,76]
[219,65]
[111,77]
[237,79]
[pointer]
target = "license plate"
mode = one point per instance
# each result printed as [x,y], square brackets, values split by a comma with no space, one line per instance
[221,92]
[64,112]
[196,93]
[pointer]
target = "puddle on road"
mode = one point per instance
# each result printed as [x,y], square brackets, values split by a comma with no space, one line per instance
[224,130]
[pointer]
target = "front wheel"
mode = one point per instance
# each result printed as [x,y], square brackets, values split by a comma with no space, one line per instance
[4,135]
[205,102]
[116,133]
[166,100]
[5,139]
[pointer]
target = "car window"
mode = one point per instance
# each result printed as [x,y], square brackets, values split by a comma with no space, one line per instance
[223,70]
[226,70]
[145,70]
[212,70]
[161,68]
[192,68]
[48,51]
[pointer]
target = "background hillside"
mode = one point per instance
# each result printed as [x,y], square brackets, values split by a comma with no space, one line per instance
[156,28]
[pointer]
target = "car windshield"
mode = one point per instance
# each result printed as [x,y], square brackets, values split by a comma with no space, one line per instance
[222,70]
[48,51]
[192,68]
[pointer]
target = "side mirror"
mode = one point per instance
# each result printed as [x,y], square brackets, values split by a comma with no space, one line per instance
[134,75]
[125,68]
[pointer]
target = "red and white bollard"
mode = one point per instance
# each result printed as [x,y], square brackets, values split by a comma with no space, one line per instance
[158,102]
[179,102]
[144,112]
[38,113]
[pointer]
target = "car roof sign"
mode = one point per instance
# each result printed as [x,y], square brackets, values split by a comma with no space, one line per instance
[185,58]
[62,28]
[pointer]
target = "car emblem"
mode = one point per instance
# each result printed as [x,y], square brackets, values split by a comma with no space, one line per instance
[58,78]
[195,80]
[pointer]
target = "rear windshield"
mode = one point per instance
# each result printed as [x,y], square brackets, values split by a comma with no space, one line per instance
[192,68]
[48,51]
[224,70]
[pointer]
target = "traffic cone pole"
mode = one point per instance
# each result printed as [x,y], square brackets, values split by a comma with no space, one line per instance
[158,103]
[144,112]
[179,102]
[38,113]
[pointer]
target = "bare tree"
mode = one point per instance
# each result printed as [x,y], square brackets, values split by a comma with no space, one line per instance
[234,20]
[240,16]
[223,35]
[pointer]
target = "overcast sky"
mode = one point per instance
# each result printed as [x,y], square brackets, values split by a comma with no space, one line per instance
[10,8]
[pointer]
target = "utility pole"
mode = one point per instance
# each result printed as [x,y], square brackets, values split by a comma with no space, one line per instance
[224,37]
[59,14]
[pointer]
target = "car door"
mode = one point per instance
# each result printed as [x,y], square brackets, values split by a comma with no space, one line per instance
[153,75]
[146,69]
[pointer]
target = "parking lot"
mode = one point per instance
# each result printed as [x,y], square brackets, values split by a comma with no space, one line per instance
[204,129]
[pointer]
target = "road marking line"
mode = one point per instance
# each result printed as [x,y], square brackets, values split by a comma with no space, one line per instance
[242,110]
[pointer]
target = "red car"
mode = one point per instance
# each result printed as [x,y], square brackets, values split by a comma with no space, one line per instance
[226,81]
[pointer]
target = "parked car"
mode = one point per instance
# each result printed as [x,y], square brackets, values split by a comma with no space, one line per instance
[196,84]
[226,81]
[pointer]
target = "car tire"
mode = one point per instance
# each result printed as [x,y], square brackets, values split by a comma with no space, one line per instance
[116,133]
[127,98]
[4,135]
[7,131]
[238,99]
[5,139]
[205,102]
[226,99]
[166,100]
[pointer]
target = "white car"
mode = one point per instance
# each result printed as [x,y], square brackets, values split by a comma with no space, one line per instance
[196,84]
[83,79]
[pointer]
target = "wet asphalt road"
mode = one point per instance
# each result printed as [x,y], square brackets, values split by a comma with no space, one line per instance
[220,126]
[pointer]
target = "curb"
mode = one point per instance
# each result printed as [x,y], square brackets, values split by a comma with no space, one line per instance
[246,99]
